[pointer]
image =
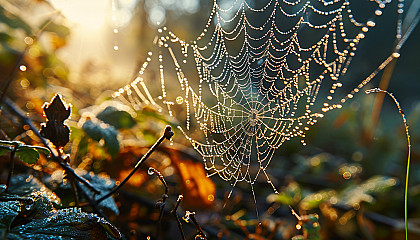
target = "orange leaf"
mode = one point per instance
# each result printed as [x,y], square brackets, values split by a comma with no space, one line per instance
[199,191]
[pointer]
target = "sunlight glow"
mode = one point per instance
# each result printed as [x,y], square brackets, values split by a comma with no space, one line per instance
[90,14]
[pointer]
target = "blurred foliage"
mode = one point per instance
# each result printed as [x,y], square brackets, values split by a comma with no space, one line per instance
[345,184]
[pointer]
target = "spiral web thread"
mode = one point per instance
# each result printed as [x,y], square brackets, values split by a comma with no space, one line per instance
[259,67]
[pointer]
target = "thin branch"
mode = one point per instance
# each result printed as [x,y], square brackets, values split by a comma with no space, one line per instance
[152,171]
[173,212]
[376,90]
[191,215]
[167,134]
[15,110]
[161,202]
[11,167]
[212,232]
[295,214]
[74,190]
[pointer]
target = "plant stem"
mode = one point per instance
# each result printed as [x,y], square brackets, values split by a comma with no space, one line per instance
[71,172]
[173,212]
[194,220]
[376,90]
[15,110]
[11,167]
[161,202]
[74,190]
[167,134]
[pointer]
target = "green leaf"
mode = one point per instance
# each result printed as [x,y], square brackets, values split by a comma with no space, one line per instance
[315,199]
[364,192]
[118,119]
[111,141]
[61,30]
[288,195]
[282,198]
[13,21]
[5,149]
[4,37]
[43,150]
[105,132]
[93,130]
[27,154]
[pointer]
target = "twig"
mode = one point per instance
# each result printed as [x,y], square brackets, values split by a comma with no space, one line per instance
[191,215]
[152,171]
[74,190]
[295,214]
[71,172]
[15,110]
[71,179]
[11,167]
[173,212]
[167,134]
[376,90]
[161,202]
[134,197]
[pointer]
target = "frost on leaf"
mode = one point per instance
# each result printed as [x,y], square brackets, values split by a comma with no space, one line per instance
[103,183]
[28,186]
[66,224]
[9,210]
[55,130]
[32,215]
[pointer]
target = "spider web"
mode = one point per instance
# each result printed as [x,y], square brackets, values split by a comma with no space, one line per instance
[258,68]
